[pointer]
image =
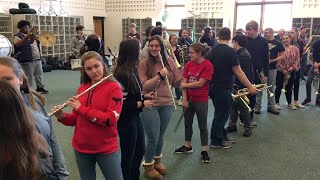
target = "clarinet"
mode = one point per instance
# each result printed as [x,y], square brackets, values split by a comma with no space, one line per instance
[168,84]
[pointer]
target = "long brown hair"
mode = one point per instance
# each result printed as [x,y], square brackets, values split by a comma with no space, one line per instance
[92,54]
[21,144]
[128,59]
[16,68]
[152,60]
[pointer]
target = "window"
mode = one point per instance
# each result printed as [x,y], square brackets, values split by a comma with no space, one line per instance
[277,16]
[246,14]
[171,17]
[274,14]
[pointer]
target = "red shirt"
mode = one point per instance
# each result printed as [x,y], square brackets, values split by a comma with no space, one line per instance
[193,72]
[96,119]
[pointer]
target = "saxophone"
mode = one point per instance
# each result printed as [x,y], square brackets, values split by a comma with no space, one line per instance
[183,54]
[168,85]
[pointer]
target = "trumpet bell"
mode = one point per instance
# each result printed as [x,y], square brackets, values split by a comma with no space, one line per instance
[271,94]
[283,90]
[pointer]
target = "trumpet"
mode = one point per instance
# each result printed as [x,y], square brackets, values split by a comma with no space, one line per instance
[246,102]
[316,79]
[170,52]
[77,96]
[285,83]
[244,92]
[168,85]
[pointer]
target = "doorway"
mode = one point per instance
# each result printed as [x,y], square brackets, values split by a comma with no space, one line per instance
[98,23]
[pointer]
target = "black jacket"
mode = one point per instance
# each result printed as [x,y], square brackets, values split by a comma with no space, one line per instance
[129,106]
[246,66]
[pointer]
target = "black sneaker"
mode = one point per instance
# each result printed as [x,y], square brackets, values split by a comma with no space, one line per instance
[205,157]
[230,140]
[42,90]
[183,149]
[306,101]
[230,129]
[225,145]
[247,133]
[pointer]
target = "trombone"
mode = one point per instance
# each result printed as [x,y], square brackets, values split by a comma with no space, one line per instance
[170,52]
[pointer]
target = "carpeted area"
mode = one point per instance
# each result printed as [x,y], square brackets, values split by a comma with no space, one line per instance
[282,147]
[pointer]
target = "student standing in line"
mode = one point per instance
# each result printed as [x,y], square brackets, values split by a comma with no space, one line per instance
[195,87]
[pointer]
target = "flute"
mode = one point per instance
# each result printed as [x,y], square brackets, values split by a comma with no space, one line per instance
[77,96]
[168,84]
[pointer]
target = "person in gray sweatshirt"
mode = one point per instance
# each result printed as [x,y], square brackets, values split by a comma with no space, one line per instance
[11,71]
[77,41]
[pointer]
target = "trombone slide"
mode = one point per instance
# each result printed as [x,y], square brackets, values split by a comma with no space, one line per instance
[171,53]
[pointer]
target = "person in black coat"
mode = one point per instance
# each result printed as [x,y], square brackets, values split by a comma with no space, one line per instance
[129,125]
[239,42]
[209,38]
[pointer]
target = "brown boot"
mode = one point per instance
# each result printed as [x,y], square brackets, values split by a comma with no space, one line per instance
[158,166]
[150,172]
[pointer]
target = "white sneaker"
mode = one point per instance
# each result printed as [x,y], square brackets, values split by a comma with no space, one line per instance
[277,106]
[292,107]
[179,102]
[298,105]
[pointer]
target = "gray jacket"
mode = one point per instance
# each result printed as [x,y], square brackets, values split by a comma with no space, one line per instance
[44,126]
[76,44]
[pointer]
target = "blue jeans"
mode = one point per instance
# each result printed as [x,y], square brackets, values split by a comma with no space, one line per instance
[108,163]
[132,146]
[303,65]
[155,122]
[308,84]
[222,101]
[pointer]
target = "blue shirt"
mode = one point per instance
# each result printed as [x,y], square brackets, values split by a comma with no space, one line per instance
[44,126]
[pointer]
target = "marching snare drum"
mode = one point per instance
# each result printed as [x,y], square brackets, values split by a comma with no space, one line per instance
[5,46]
[75,64]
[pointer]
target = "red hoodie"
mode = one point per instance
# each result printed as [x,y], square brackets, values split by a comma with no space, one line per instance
[96,119]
